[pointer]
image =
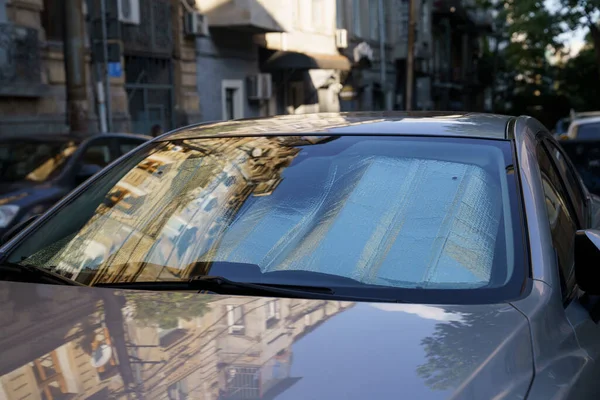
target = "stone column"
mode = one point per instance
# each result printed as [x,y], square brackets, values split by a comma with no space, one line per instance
[187,101]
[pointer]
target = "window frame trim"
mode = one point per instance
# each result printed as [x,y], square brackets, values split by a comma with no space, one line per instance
[580,186]
[570,292]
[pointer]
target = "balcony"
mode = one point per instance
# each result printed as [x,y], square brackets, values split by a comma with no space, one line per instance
[20,70]
[254,16]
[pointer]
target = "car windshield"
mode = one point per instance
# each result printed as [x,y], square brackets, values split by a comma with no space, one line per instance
[400,212]
[33,160]
[588,131]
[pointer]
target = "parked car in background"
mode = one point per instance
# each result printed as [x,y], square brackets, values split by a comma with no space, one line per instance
[38,170]
[562,126]
[466,242]
[583,129]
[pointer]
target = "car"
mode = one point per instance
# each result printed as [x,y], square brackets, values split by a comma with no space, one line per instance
[583,129]
[418,255]
[38,170]
[562,126]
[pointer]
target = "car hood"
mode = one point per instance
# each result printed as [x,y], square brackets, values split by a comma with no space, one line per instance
[101,343]
[25,194]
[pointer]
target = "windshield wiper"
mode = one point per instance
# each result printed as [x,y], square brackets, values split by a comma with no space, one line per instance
[221,285]
[32,274]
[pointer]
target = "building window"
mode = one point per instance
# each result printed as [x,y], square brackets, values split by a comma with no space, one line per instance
[235,320]
[53,19]
[273,313]
[49,377]
[229,99]
[178,391]
[373,19]
[356,18]
[232,97]
[339,14]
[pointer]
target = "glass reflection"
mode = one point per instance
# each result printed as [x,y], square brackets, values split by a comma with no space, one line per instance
[159,345]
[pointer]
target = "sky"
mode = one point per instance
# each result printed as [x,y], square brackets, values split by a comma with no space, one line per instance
[574,41]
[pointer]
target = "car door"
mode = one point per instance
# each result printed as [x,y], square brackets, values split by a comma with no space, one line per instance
[573,197]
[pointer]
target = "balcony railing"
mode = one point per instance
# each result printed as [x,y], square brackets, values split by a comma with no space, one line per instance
[20,69]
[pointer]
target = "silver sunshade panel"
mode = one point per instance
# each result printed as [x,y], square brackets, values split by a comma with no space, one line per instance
[403,222]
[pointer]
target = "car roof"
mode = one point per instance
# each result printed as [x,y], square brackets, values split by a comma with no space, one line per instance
[476,125]
[587,120]
[61,137]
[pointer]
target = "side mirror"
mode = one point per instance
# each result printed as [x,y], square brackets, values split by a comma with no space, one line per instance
[587,260]
[87,171]
[12,232]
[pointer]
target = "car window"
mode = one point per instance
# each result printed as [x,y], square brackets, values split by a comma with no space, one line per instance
[588,131]
[571,180]
[34,160]
[401,213]
[97,153]
[563,222]
[128,144]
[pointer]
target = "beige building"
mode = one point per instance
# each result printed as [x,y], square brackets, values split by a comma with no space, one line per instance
[154,83]
[269,57]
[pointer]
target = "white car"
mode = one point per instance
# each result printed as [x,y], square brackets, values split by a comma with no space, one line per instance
[584,129]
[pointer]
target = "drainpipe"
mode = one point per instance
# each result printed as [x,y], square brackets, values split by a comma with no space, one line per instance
[107,92]
[382,53]
[74,58]
[410,55]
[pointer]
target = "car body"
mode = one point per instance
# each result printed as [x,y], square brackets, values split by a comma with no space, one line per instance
[38,170]
[331,219]
[584,129]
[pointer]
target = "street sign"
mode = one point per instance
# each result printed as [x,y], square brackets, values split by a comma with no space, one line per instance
[115,70]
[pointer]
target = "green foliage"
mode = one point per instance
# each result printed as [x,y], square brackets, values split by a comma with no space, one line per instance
[164,309]
[578,81]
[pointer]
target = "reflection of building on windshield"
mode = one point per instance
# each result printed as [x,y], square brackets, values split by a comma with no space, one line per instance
[174,205]
[237,348]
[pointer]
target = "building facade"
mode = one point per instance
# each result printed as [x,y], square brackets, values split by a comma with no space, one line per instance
[256,58]
[152,79]
[372,37]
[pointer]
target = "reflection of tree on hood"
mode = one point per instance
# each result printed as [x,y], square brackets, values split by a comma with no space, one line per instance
[165,309]
[456,348]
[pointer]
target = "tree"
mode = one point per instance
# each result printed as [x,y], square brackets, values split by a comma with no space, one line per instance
[525,33]
[456,349]
[578,80]
[165,309]
[579,14]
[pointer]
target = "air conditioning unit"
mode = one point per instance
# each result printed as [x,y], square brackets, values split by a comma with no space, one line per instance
[129,11]
[196,24]
[341,38]
[259,87]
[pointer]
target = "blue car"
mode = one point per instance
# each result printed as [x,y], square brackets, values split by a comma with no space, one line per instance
[38,170]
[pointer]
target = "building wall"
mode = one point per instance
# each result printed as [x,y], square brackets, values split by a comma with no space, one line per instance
[225,55]
[45,110]
[187,103]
